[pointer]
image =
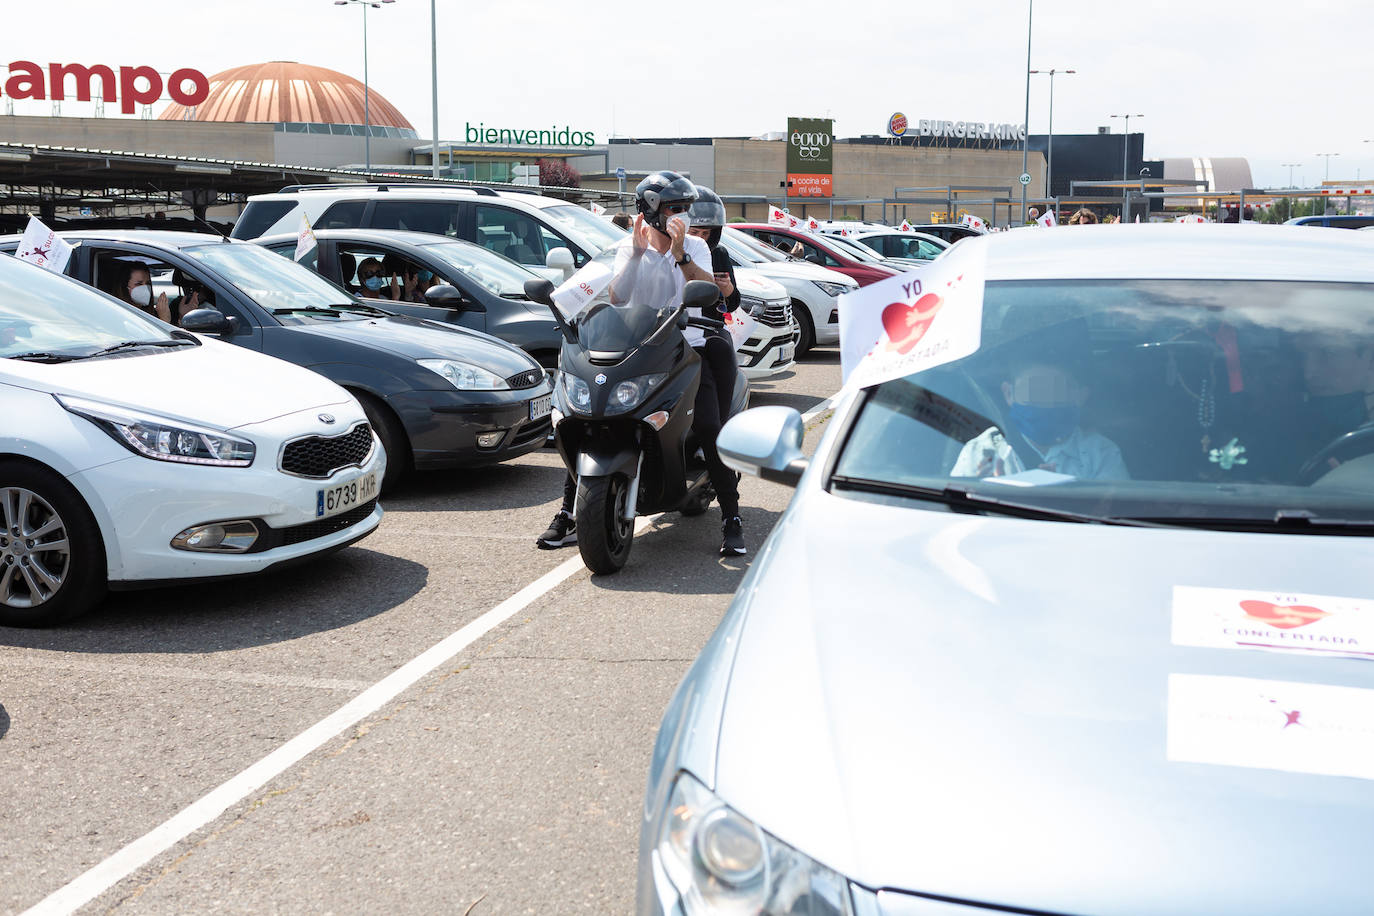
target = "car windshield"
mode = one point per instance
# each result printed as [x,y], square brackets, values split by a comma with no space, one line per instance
[496,272]
[634,297]
[45,313]
[289,290]
[1172,400]
[853,250]
[747,248]
[603,232]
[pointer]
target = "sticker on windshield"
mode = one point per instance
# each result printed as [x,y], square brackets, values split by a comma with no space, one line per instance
[1035,477]
[1223,618]
[913,321]
[582,287]
[1271,725]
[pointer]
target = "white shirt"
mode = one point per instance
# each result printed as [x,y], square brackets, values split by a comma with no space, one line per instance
[694,248]
[1088,456]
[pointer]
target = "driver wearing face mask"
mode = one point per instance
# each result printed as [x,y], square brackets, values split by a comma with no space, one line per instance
[1044,403]
[135,286]
[370,277]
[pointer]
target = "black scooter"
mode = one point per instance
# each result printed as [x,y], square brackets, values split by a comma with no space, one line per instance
[624,403]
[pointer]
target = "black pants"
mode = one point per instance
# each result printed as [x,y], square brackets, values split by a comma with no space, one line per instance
[714,393]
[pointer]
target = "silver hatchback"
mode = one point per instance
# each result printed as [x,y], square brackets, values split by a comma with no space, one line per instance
[1082,623]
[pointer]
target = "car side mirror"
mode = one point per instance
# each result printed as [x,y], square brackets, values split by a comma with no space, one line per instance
[540,289]
[560,259]
[208,321]
[765,442]
[700,294]
[447,296]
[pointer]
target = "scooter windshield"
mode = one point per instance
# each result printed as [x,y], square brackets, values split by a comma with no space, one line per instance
[632,295]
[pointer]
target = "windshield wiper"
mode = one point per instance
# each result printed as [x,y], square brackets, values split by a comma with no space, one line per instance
[133,344]
[1283,521]
[360,307]
[962,499]
[43,356]
[311,309]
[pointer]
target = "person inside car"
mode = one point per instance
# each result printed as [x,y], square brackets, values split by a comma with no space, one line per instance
[1044,398]
[371,277]
[193,296]
[135,287]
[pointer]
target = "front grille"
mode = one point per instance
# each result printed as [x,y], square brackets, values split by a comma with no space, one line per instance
[326,526]
[776,315]
[320,456]
[526,379]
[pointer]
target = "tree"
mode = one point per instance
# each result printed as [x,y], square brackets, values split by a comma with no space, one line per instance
[556,173]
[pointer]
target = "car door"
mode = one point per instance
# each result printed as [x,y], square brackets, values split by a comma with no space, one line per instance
[99,262]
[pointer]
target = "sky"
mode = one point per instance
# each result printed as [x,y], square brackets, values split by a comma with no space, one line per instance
[1210,77]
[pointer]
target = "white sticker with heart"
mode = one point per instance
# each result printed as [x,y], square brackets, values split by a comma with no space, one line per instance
[1319,625]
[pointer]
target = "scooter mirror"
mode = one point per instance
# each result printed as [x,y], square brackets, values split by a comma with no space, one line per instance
[700,294]
[539,290]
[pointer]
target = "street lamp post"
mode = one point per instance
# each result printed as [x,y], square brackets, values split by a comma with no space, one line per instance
[1125,167]
[367,113]
[1025,125]
[1049,151]
[434,85]
[1291,166]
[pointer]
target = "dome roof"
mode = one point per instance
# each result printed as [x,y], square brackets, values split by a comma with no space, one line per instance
[291,92]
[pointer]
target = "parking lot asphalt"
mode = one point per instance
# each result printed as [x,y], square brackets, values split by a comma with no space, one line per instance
[507,780]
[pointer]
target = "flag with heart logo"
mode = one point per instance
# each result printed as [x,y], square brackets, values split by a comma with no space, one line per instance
[812,224]
[596,208]
[1048,219]
[776,216]
[905,227]
[913,321]
[974,222]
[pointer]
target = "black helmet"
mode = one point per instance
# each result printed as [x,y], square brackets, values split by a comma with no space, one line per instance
[661,189]
[709,211]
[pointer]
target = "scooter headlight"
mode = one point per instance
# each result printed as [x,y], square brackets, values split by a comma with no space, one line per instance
[627,395]
[578,393]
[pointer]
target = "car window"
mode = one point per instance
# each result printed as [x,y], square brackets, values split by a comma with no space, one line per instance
[484,267]
[817,255]
[283,287]
[436,217]
[395,277]
[1147,399]
[346,214]
[516,235]
[855,250]
[601,231]
[180,290]
[41,311]
[260,216]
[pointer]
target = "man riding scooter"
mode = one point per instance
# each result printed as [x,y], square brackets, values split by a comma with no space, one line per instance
[660,239]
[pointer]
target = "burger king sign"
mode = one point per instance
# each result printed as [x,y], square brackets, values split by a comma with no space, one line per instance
[896,125]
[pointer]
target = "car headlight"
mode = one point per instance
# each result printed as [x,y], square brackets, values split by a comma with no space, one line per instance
[755,307]
[721,862]
[831,289]
[163,438]
[627,395]
[578,392]
[465,376]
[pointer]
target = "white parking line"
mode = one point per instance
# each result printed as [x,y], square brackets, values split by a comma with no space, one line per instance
[109,872]
[101,877]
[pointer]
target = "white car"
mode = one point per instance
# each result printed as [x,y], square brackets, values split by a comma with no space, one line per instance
[771,347]
[915,248]
[132,453]
[815,288]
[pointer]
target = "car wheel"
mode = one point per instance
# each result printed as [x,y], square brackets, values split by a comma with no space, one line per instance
[52,560]
[807,326]
[604,537]
[392,436]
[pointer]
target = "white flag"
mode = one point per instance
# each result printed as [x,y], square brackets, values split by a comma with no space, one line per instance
[913,321]
[776,217]
[974,222]
[793,222]
[305,239]
[905,227]
[596,208]
[812,224]
[1048,220]
[582,287]
[40,245]
[740,324]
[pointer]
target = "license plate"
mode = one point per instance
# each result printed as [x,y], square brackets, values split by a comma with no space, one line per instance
[541,407]
[785,353]
[345,496]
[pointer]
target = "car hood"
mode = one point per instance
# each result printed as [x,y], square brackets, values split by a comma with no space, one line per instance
[753,283]
[976,707]
[802,270]
[215,384]
[418,338]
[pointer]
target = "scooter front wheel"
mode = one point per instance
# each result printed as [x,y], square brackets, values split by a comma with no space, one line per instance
[604,537]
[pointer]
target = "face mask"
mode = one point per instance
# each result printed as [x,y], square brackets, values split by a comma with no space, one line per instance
[683,217]
[1044,425]
[141,295]
[373,283]
[426,276]
[1342,412]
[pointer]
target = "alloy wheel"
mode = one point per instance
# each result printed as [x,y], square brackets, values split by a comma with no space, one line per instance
[35,555]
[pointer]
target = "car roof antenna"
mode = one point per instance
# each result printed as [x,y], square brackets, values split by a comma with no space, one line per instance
[223,236]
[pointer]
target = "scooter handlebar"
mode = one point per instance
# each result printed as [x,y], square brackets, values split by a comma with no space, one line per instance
[706,324]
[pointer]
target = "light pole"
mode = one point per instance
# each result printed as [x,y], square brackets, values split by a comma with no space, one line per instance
[1326,175]
[1049,153]
[1291,166]
[1125,168]
[367,112]
[434,85]
[1025,125]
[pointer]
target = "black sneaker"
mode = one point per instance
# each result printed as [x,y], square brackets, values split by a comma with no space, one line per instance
[562,532]
[733,531]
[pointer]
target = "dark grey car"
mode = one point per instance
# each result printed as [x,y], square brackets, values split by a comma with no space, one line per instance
[491,295]
[438,396]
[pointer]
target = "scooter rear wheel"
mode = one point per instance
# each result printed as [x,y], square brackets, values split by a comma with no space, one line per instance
[604,537]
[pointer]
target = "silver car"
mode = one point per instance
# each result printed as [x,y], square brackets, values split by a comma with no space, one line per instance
[1082,623]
